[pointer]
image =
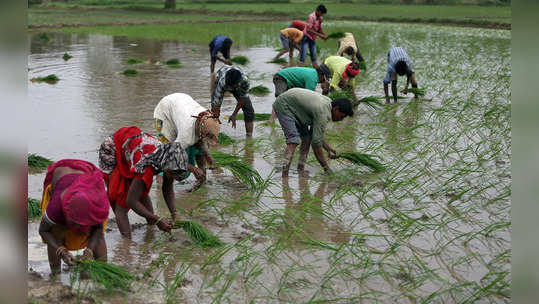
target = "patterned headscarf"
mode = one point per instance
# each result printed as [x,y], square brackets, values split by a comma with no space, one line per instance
[169,157]
[208,126]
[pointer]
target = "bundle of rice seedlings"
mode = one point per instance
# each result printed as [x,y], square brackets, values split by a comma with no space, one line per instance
[278,61]
[224,139]
[336,35]
[38,162]
[52,78]
[175,66]
[364,159]
[44,37]
[417,91]
[66,56]
[362,65]
[241,171]
[372,101]
[34,210]
[340,94]
[258,116]
[108,275]
[240,60]
[198,234]
[134,61]
[130,72]
[173,61]
[259,90]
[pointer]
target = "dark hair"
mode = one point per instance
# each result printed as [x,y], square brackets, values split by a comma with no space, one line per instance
[232,77]
[349,50]
[227,42]
[401,67]
[322,9]
[344,105]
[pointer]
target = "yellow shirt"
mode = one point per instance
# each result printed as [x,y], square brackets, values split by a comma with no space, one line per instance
[337,65]
[292,34]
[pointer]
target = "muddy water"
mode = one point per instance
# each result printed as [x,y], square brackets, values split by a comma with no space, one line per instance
[447,158]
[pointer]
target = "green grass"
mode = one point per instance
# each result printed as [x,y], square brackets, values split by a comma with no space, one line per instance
[173,61]
[134,61]
[336,35]
[259,90]
[107,275]
[199,234]
[50,79]
[34,210]
[258,116]
[130,72]
[241,170]
[278,61]
[66,56]
[224,139]
[37,162]
[240,60]
[340,94]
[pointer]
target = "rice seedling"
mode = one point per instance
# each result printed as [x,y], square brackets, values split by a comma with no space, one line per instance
[241,170]
[416,91]
[175,66]
[51,79]
[37,162]
[130,72]
[198,234]
[134,61]
[173,61]
[362,65]
[44,37]
[278,61]
[363,159]
[66,56]
[240,60]
[108,275]
[224,139]
[259,90]
[34,210]
[336,35]
[340,94]
[258,116]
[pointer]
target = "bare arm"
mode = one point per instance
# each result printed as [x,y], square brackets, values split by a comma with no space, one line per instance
[168,194]
[394,89]
[321,158]
[96,235]
[232,118]
[331,152]
[386,91]
[135,191]
[46,233]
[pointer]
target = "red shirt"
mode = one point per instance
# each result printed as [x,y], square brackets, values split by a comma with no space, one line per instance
[314,23]
[300,25]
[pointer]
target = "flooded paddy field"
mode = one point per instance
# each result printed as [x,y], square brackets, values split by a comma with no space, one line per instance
[434,227]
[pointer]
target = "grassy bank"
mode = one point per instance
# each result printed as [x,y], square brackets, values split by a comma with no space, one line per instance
[80,12]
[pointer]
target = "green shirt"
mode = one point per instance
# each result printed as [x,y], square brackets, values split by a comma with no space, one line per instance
[307,108]
[300,77]
[337,65]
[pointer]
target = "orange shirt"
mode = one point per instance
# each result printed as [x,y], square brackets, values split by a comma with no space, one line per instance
[293,34]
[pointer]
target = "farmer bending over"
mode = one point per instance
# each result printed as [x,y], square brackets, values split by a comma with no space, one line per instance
[303,115]
[398,63]
[290,39]
[313,29]
[220,44]
[75,209]
[343,73]
[179,118]
[348,45]
[300,77]
[233,80]
[129,159]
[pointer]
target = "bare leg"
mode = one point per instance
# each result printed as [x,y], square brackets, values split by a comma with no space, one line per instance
[122,220]
[288,155]
[100,251]
[54,261]
[249,126]
[303,152]
[147,202]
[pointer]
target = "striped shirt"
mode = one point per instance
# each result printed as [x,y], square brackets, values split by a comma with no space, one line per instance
[395,55]
[242,91]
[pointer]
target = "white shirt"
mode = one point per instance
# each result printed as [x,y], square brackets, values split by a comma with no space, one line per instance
[176,111]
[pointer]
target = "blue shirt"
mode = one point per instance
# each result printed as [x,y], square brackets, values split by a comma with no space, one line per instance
[216,45]
[395,55]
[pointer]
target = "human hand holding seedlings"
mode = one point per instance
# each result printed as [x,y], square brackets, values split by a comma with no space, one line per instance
[232,119]
[65,255]
[87,255]
[163,225]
